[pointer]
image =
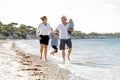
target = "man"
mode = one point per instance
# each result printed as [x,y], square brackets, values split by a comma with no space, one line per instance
[65,38]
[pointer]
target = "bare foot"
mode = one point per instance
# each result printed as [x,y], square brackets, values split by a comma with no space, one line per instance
[63,62]
[69,58]
[41,58]
[52,53]
[46,59]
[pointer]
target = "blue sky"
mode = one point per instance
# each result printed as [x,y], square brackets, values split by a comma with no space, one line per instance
[88,15]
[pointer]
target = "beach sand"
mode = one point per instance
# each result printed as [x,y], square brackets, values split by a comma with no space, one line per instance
[17,65]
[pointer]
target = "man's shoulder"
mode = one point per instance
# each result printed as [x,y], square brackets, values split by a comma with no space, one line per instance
[60,25]
[48,24]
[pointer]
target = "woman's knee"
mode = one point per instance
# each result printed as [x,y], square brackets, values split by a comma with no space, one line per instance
[45,46]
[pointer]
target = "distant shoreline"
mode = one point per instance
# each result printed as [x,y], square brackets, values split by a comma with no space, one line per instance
[22,31]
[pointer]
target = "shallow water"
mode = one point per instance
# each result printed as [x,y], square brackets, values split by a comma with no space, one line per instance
[92,59]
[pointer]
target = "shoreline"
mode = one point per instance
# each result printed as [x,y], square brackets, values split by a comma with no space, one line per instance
[27,66]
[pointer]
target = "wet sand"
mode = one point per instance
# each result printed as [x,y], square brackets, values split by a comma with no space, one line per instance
[17,65]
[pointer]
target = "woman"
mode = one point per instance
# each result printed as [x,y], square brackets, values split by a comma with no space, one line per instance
[43,32]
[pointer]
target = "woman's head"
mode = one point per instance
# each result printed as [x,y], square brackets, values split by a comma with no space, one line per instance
[43,18]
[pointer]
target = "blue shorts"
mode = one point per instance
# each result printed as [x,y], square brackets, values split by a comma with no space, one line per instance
[55,48]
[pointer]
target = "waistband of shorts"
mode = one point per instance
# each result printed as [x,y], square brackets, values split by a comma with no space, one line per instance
[66,39]
[44,35]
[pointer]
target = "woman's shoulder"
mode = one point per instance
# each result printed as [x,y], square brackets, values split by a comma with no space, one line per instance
[47,24]
[40,24]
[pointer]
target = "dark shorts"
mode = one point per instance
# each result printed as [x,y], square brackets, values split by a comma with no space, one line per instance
[44,39]
[64,42]
[55,48]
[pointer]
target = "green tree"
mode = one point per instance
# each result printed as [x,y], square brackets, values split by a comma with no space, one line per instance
[21,31]
[1,25]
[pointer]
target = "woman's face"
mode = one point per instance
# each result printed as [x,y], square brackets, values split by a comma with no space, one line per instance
[45,20]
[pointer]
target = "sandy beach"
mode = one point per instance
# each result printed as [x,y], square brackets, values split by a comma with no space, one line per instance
[19,61]
[17,65]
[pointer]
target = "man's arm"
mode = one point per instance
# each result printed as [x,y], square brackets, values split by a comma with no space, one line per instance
[70,30]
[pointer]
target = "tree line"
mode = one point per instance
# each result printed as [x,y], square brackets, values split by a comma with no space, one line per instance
[15,31]
[22,31]
[95,35]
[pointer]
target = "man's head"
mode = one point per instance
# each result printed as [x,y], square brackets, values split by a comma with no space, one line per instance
[64,19]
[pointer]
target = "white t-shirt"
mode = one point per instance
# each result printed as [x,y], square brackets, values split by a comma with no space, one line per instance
[63,29]
[44,29]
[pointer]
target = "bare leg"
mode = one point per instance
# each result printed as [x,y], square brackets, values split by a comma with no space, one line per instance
[69,52]
[45,52]
[41,50]
[63,55]
[52,53]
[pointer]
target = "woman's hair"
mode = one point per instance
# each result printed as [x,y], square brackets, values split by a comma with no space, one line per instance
[43,17]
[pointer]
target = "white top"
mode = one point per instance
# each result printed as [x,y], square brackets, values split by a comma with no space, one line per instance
[63,29]
[44,29]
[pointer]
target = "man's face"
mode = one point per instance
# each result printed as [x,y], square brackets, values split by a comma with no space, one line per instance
[63,19]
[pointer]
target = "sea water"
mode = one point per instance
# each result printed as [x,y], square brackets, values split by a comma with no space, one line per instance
[91,59]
